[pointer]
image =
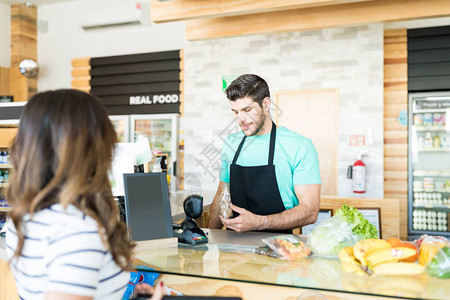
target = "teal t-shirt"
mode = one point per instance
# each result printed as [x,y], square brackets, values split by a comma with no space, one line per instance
[295,159]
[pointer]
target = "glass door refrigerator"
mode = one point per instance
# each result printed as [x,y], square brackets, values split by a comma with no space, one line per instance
[121,124]
[429,164]
[161,131]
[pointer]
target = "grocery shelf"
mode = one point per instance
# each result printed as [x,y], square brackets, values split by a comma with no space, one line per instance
[4,185]
[444,208]
[431,191]
[436,173]
[430,128]
[5,166]
[434,149]
[5,209]
[431,175]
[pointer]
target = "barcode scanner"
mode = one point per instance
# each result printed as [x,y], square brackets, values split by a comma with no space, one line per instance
[188,231]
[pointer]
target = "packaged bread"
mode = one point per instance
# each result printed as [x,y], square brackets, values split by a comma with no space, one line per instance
[225,203]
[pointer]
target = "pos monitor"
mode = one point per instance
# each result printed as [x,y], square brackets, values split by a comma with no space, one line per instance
[147,206]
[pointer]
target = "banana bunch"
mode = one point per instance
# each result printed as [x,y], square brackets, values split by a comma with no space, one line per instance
[378,257]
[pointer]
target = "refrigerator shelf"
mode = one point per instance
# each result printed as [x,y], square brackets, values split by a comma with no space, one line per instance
[430,128]
[447,190]
[434,149]
[5,166]
[444,208]
[431,173]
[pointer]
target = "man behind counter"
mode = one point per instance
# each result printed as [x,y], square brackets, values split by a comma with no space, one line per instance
[273,172]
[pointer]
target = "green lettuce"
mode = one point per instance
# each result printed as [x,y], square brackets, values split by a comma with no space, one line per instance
[358,224]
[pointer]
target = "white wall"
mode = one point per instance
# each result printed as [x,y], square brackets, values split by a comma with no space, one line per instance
[5,35]
[66,40]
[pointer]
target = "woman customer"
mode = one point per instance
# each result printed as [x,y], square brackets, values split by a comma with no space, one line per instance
[66,240]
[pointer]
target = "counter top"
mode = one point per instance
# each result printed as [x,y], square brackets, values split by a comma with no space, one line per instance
[229,256]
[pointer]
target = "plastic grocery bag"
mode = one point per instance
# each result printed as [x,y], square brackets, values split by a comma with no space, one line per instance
[330,236]
[434,253]
[439,266]
[288,246]
[428,247]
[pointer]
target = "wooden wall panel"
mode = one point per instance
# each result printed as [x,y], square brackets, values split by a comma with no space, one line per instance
[23,46]
[395,134]
[7,135]
[81,76]
[4,81]
[7,284]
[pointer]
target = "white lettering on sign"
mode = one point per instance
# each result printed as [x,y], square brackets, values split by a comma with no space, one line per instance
[140,100]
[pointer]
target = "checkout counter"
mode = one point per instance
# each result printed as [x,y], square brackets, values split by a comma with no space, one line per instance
[227,266]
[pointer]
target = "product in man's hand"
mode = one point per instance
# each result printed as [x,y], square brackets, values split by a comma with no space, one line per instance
[288,246]
[225,210]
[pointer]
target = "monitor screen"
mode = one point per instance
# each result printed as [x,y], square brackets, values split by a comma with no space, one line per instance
[147,206]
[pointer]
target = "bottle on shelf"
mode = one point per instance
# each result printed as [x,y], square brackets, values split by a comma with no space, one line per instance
[1,176]
[6,176]
[417,119]
[421,142]
[427,120]
[3,157]
[437,142]
[437,119]
[428,140]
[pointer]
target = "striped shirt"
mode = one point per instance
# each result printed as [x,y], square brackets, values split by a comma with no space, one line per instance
[63,252]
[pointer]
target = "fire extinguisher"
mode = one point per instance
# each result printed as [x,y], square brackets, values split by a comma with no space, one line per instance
[357,173]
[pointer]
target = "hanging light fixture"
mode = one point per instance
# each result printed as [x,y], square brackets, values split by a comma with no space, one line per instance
[29,68]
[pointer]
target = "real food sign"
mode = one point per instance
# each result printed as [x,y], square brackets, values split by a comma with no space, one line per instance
[146,83]
[155,99]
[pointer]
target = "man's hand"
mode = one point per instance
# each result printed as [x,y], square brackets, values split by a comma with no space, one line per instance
[246,221]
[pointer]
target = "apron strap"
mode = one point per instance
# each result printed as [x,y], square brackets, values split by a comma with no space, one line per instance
[238,150]
[273,134]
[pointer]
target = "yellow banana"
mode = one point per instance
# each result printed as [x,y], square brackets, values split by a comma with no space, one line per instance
[398,268]
[388,255]
[362,248]
[349,263]
[346,255]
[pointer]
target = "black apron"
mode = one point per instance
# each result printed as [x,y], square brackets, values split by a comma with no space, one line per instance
[256,188]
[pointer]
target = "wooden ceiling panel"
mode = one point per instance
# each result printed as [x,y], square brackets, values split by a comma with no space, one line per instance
[316,18]
[178,10]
